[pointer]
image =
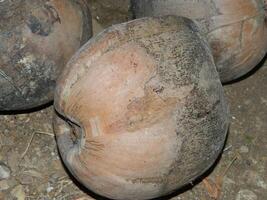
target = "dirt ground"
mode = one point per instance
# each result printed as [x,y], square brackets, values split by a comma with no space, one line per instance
[33,170]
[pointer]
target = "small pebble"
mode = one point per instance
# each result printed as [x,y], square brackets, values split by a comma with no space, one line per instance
[246,195]
[25,179]
[4,171]
[4,185]
[229,181]
[18,193]
[254,178]
[244,149]
[13,160]
[49,189]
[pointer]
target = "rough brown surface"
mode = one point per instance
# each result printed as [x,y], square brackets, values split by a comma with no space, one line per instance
[37,37]
[41,176]
[146,103]
[236,30]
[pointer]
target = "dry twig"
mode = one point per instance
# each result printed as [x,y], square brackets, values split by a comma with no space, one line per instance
[214,188]
[31,139]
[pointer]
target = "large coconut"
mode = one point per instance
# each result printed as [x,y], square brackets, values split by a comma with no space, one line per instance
[37,38]
[140,109]
[236,29]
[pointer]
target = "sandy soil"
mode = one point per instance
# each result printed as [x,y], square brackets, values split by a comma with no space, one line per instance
[33,170]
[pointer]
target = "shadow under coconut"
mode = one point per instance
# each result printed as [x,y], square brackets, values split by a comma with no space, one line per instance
[250,73]
[27,111]
[166,197]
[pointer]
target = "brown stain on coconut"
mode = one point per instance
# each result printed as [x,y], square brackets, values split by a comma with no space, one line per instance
[43,24]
